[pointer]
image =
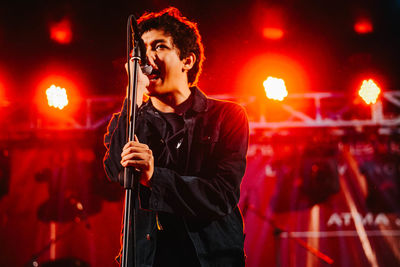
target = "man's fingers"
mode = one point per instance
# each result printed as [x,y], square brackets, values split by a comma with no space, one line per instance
[135,149]
[137,163]
[140,156]
[134,144]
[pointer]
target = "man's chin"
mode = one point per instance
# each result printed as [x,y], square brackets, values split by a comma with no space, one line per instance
[155,90]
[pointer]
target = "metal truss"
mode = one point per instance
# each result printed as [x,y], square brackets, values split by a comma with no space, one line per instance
[323,116]
[308,110]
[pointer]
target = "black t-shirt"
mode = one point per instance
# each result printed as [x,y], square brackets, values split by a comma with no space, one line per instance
[174,247]
[175,138]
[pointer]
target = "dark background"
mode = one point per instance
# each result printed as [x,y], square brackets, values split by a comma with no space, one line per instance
[41,162]
[319,36]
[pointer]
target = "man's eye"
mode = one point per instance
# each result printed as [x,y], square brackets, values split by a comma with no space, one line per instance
[160,47]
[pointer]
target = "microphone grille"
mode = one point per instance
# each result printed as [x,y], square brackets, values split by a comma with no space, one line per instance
[147,69]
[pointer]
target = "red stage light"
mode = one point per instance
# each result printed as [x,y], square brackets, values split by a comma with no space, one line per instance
[269,20]
[57,97]
[252,74]
[51,92]
[275,88]
[363,26]
[61,32]
[273,33]
[369,91]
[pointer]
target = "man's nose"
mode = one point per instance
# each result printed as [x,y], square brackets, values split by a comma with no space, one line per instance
[151,57]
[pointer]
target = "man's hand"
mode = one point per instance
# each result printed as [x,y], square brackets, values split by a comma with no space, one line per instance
[140,157]
[143,83]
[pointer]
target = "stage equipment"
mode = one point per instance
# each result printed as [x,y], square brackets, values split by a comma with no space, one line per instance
[335,111]
[131,176]
[369,91]
[332,110]
[275,88]
[63,206]
[61,31]
[57,97]
[363,26]
[280,232]
[320,173]
[67,262]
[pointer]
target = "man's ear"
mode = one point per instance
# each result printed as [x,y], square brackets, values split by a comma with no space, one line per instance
[188,62]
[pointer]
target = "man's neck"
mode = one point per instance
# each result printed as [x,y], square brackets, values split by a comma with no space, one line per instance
[168,103]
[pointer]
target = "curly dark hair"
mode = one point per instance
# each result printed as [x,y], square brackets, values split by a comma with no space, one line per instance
[184,33]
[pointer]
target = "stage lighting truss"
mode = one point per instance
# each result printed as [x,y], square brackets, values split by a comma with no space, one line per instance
[94,113]
[22,121]
[324,110]
[336,110]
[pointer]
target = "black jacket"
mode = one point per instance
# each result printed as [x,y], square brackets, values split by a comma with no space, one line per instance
[205,191]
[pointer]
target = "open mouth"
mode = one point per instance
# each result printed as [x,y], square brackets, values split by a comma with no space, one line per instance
[154,75]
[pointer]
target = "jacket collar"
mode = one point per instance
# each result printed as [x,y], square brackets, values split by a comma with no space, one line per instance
[199,101]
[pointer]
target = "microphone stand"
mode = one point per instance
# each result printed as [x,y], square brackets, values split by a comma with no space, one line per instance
[131,177]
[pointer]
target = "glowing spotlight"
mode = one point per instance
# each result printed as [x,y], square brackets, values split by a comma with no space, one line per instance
[369,91]
[363,26]
[272,33]
[61,32]
[57,97]
[275,88]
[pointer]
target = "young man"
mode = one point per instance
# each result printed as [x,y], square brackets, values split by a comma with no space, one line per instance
[191,151]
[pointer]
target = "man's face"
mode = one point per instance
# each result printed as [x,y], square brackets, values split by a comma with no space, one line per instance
[168,75]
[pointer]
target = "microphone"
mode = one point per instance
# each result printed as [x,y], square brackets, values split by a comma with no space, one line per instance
[145,66]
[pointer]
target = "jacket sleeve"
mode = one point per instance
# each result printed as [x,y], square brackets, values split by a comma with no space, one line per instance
[217,194]
[114,141]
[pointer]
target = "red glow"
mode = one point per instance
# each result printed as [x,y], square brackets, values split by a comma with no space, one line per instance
[252,75]
[4,95]
[273,33]
[269,20]
[61,32]
[363,26]
[369,91]
[3,101]
[275,88]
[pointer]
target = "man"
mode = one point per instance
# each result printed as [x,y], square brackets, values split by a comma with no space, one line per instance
[190,150]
